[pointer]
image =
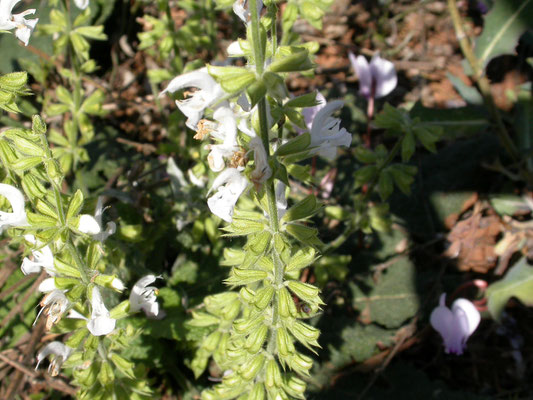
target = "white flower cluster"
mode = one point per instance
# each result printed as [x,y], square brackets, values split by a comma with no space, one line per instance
[231,115]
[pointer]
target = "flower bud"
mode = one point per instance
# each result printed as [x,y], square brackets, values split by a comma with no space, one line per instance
[305,291]
[245,276]
[301,259]
[285,345]
[258,243]
[273,374]
[264,296]
[257,393]
[252,367]
[230,312]
[256,339]
[109,281]
[247,295]
[301,364]
[286,306]
[295,387]
[106,375]
[211,342]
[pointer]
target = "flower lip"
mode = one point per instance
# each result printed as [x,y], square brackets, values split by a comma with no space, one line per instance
[61,352]
[100,323]
[229,185]
[144,297]
[18,216]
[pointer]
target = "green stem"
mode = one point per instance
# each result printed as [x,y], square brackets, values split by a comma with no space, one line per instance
[259,52]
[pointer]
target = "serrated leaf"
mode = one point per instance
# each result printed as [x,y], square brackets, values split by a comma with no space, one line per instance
[504,24]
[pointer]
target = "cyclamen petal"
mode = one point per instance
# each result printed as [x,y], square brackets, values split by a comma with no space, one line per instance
[208,93]
[376,79]
[229,185]
[456,325]
[143,297]
[100,323]
[18,216]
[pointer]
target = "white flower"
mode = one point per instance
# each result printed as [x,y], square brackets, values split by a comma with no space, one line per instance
[326,133]
[100,323]
[16,199]
[310,113]
[54,305]
[88,224]
[117,284]
[110,228]
[229,185]
[8,21]
[208,93]
[47,285]
[243,13]
[143,297]
[235,49]
[225,129]
[262,170]
[81,4]
[281,199]
[455,325]
[376,79]
[42,258]
[60,351]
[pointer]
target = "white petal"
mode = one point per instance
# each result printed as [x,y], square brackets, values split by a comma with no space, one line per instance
[100,326]
[118,284]
[47,285]
[384,73]
[82,4]
[467,315]
[57,348]
[223,201]
[235,50]
[88,224]
[361,67]
[15,197]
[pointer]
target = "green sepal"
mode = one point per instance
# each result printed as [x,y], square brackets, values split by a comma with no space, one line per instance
[301,259]
[106,375]
[77,337]
[297,61]
[303,101]
[232,79]
[256,91]
[121,310]
[302,210]
[245,276]
[123,365]
[66,269]
[295,145]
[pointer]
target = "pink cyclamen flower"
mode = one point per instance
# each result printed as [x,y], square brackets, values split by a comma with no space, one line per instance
[376,79]
[455,325]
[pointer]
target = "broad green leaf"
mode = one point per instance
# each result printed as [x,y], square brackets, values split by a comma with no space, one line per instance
[392,298]
[504,25]
[518,282]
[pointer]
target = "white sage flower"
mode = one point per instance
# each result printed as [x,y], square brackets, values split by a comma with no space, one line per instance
[208,93]
[225,130]
[42,258]
[310,113]
[376,79]
[47,285]
[60,353]
[8,20]
[18,216]
[262,171]
[54,304]
[143,297]
[88,224]
[240,10]
[229,185]
[81,4]
[455,325]
[110,228]
[100,323]
[326,133]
